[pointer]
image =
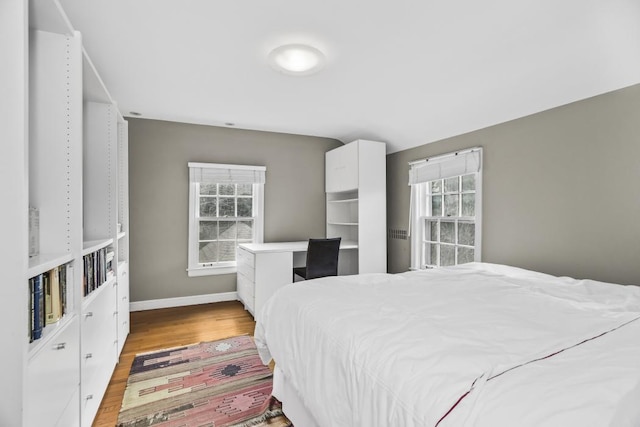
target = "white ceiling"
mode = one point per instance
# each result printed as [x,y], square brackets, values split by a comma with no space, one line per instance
[403,72]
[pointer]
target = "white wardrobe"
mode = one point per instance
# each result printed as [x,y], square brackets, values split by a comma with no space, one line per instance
[355,185]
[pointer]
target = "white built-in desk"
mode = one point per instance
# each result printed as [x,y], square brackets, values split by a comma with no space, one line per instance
[265,267]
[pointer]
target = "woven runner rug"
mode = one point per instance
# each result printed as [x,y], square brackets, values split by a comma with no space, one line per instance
[211,384]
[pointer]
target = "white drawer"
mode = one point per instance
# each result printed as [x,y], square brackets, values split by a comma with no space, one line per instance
[245,291]
[247,271]
[52,377]
[246,257]
[99,369]
[71,415]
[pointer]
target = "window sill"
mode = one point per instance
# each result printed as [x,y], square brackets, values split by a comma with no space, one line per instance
[211,271]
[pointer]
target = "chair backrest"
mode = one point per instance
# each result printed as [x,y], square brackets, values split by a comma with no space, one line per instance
[322,257]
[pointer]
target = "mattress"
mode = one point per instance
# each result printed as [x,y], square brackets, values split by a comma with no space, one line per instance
[477,344]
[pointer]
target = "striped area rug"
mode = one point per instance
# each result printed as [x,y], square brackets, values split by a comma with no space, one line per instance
[211,384]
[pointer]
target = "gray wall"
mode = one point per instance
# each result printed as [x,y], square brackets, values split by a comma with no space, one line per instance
[158,183]
[561,190]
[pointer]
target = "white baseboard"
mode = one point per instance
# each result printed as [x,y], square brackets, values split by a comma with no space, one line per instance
[182,301]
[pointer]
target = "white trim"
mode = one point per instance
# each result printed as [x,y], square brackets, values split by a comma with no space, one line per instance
[182,301]
[225,166]
[444,156]
[211,271]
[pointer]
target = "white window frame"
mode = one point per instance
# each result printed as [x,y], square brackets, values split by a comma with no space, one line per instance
[420,206]
[195,268]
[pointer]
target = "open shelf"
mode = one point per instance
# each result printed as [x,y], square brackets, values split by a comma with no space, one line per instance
[45,262]
[94,245]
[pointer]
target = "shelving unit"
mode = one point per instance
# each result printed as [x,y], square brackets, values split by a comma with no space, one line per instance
[70,162]
[356,204]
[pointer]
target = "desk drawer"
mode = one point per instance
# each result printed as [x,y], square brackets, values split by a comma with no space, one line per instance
[245,291]
[247,271]
[246,257]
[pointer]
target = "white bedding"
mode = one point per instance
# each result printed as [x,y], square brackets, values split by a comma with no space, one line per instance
[402,350]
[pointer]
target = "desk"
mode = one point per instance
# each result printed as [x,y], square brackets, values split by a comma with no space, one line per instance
[263,268]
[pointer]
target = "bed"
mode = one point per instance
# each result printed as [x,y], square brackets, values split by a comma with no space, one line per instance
[473,345]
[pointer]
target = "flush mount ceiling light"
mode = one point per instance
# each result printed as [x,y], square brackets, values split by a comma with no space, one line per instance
[296,59]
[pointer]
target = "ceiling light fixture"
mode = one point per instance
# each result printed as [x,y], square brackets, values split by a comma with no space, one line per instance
[296,59]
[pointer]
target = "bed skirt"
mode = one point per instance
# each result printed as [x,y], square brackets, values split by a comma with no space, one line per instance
[292,405]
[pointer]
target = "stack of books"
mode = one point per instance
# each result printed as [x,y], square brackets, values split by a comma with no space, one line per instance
[95,270]
[48,298]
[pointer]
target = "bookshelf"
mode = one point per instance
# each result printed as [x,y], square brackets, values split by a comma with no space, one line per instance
[356,204]
[66,156]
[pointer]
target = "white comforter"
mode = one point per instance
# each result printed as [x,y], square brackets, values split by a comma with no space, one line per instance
[467,345]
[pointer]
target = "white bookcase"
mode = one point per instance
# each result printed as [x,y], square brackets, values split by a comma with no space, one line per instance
[67,157]
[355,183]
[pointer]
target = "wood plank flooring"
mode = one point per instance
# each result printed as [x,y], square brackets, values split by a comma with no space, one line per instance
[170,327]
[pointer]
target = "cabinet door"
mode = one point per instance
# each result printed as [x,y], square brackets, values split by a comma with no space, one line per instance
[341,172]
[123,304]
[52,378]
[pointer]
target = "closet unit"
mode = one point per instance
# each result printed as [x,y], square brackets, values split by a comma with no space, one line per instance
[355,185]
[68,291]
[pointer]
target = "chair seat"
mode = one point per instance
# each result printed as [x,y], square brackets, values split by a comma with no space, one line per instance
[300,271]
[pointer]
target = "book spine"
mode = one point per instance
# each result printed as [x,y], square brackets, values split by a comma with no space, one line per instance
[48,300]
[38,304]
[31,308]
[63,289]
[54,289]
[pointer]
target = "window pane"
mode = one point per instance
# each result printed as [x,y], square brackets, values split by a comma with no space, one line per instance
[431,231]
[227,206]
[468,204]
[468,183]
[447,255]
[208,252]
[209,189]
[227,189]
[245,205]
[245,230]
[465,255]
[451,185]
[466,233]
[433,256]
[208,206]
[447,232]
[227,251]
[228,230]
[436,187]
[208,230]
[245,190]
[451,205]
[436,206]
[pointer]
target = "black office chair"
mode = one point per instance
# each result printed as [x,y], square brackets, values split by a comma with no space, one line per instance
[322,259]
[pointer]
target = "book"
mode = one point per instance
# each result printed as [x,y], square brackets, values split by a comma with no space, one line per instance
[46,290]
[54,307]
[38,305]
[62,277]
[34,232]
[31,309]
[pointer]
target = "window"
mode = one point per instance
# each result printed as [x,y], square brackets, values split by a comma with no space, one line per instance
[446,209]
[225,208]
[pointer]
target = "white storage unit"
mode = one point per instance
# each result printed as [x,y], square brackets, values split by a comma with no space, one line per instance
[356,204]
[261,273]
[64,157]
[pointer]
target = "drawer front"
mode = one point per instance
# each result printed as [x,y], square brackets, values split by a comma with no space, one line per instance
[246,257]
[245,291]
[123,307]
[92,389]
[247,271]
[53,377]
[71,415]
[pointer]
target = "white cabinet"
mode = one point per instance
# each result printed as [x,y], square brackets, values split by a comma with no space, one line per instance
[52,377]
[356,204]
[342,171]
[55,90]
[262,272]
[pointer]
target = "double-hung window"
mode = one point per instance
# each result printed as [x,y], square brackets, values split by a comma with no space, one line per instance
[226,207]
[446,206]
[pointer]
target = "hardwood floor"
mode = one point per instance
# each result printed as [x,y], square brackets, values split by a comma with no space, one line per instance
[170,327]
